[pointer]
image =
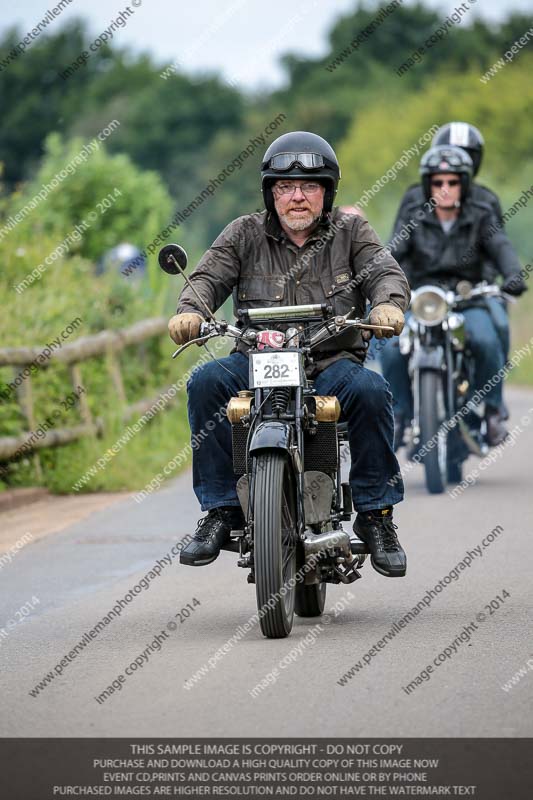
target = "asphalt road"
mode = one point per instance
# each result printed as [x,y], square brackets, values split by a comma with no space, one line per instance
[76,576]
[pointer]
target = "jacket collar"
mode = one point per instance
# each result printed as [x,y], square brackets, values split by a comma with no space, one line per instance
[465,215]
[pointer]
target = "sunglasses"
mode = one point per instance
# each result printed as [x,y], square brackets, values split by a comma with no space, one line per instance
[439,183]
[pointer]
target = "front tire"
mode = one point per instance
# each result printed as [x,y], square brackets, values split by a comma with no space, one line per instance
[275,538]
[435,459]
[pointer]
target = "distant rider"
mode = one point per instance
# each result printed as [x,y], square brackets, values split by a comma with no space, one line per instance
[443,245]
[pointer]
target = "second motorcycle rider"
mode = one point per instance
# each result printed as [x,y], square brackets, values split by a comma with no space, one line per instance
[444,244]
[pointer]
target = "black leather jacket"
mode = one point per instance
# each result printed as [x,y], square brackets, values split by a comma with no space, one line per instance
[415,196]
[427,254]
[342,263]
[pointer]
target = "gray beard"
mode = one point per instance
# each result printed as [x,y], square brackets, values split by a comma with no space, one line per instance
[298,224]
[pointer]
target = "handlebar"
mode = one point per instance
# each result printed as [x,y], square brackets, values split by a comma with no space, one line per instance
[210,330]
[482,290]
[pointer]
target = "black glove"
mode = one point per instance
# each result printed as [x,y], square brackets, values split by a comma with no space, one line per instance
[515,286]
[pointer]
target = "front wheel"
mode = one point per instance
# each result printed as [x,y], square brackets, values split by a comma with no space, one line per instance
[275,539]
[432,415]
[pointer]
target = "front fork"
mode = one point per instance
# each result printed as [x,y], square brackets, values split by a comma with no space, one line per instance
[295,450]
[415,382]
[298,461]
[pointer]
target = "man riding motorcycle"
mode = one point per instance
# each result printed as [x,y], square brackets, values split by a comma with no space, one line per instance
[300,250]
[444,241]
[470,139]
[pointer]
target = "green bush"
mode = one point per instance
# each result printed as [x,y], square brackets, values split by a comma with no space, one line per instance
[69,288]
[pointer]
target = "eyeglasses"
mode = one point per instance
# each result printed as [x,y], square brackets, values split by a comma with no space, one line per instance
[290,188]
[284,161]
[439,184]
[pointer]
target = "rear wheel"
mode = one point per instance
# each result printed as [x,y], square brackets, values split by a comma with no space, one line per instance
[457,454]
[432,415]
[455,472]
[275,538]
[310,599]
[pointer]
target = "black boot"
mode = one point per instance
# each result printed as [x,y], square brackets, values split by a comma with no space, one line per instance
[211,533]
[504,411]
[378,531]
[496,430]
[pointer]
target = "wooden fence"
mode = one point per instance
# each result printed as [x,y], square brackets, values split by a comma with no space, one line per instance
[106,343]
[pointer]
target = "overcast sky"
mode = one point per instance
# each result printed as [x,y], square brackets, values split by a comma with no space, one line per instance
[240,38]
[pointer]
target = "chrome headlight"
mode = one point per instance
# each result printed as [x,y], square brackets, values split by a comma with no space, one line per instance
[429,305]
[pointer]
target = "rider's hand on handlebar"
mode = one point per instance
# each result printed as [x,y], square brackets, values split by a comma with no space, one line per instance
[387,314]
[515,286]
[184,327]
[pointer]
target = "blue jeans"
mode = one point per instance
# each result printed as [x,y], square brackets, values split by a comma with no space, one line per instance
[366,404]
[500,318]
[487,334]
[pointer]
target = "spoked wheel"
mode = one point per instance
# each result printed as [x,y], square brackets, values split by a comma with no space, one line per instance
[275,538]
[432,415]
[310,599]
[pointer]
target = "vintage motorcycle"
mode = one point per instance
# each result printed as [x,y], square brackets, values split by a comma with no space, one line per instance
[287,455]
[441,371]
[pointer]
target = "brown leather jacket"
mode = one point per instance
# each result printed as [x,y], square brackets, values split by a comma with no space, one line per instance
[342,263]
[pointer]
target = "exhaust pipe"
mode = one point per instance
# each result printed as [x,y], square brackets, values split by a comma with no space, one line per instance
[318,543]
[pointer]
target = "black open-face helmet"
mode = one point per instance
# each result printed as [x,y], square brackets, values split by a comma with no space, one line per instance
[301,155]
[464,135]
[445,160]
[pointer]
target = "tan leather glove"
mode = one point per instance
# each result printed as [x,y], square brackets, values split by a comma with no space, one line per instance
[184,327]
[387,314]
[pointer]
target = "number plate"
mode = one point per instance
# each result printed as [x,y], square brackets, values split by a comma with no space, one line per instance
[275,369]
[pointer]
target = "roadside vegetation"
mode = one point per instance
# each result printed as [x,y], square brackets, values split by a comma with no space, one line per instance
[174,133]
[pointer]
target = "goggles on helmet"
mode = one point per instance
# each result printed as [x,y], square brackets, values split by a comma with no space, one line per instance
[284,161]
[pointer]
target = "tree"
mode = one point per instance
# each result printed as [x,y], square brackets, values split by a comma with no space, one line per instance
[501,108]
[139,206]
[34,98]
